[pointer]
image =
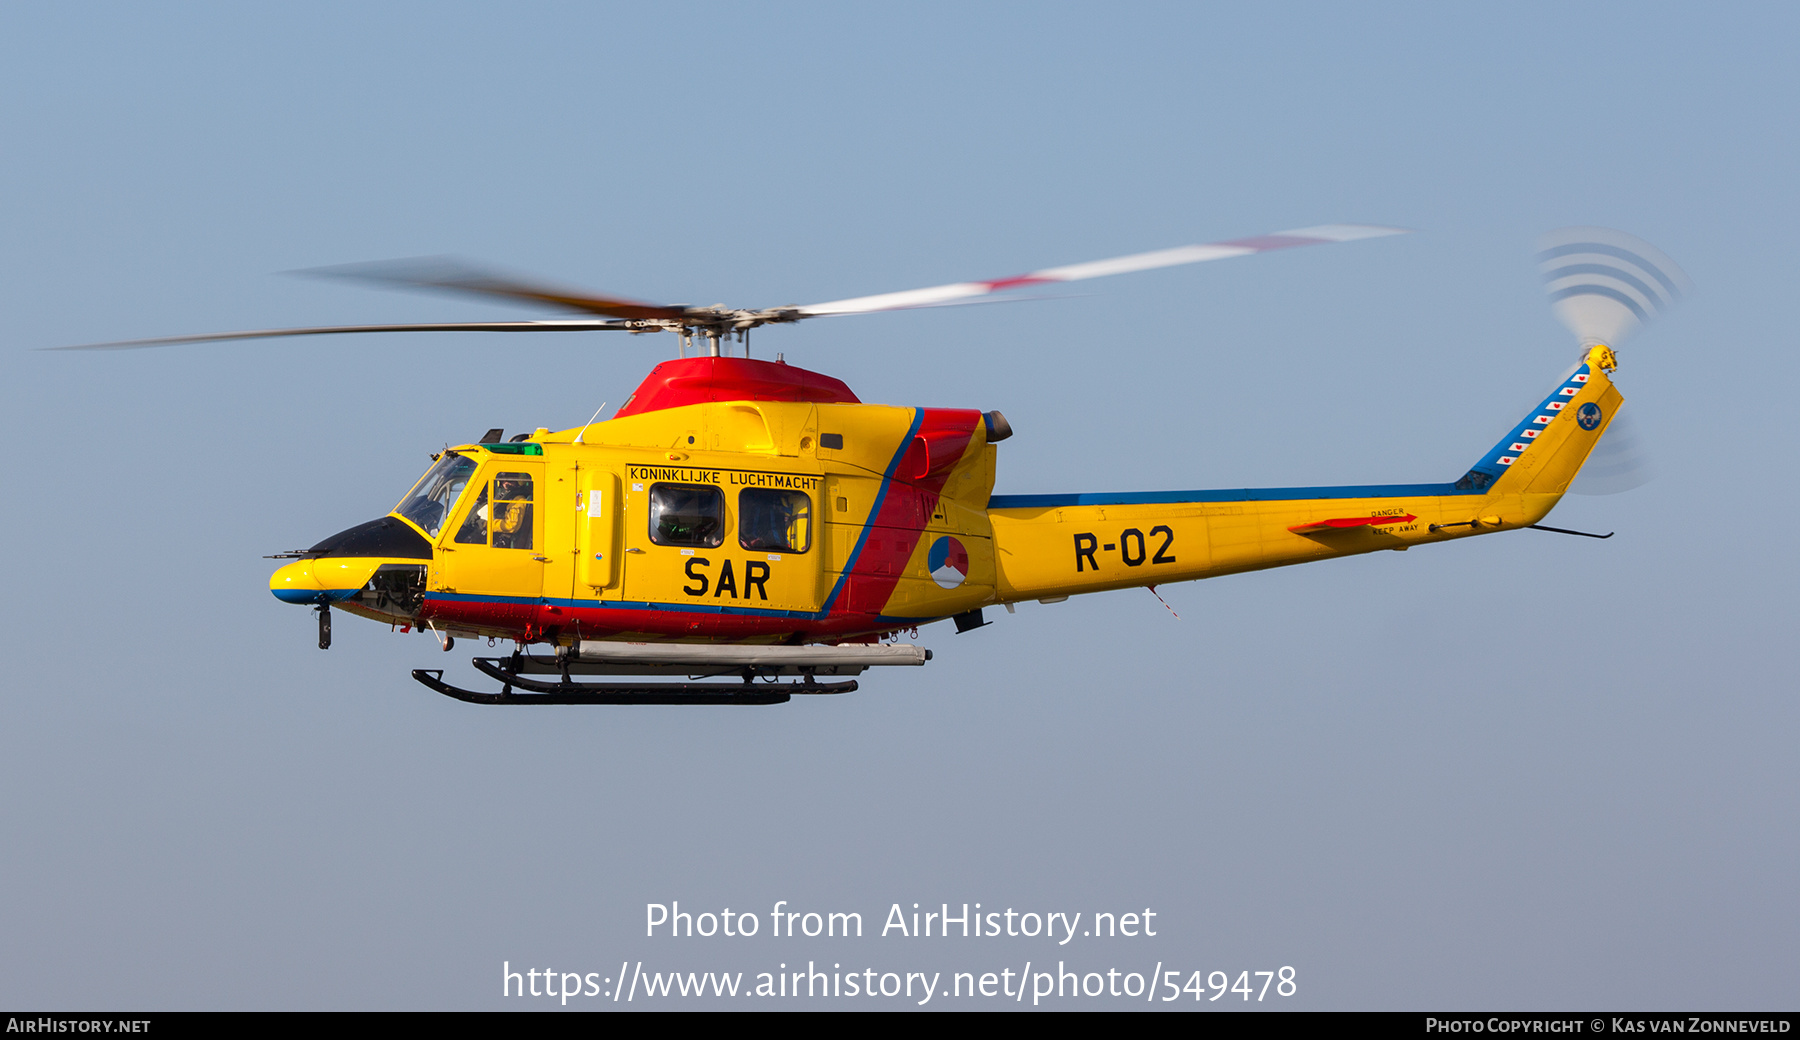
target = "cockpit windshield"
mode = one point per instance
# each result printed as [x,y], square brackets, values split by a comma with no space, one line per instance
[434,496]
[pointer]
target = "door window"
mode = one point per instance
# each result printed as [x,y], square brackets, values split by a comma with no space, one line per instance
[474,529]
[511,527]
[502,514]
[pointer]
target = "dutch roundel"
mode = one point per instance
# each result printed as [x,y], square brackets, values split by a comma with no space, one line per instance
[948,562]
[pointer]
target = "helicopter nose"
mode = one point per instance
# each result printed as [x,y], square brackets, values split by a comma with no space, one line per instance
[321,580]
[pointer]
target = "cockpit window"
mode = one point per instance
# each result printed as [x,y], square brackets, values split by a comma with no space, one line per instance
[687,514]
[434,496]
[774,521]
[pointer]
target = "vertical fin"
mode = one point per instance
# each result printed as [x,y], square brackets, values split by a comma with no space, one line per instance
[1542,454]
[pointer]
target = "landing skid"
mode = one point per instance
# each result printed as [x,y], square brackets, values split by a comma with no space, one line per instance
[568,691]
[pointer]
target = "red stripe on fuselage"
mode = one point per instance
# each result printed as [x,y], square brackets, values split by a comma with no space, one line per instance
[531,621]
[944,436]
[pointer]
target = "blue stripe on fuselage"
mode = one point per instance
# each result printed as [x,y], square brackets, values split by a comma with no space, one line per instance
[880,497]
[313,596]
[1134,498]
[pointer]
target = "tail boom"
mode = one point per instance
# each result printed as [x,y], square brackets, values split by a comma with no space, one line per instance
[1051,546]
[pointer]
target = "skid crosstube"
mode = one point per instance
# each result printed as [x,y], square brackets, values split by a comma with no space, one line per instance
[539,692]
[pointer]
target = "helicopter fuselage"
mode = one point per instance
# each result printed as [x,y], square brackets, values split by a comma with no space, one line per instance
[741,501]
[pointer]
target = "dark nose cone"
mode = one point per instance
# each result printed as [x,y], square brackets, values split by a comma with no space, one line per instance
[387,537]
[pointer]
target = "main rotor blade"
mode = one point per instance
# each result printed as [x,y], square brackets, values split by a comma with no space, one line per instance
[331,330]
[446,274]
[939,295]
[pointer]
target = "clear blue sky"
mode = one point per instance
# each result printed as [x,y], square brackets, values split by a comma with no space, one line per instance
[1523,771]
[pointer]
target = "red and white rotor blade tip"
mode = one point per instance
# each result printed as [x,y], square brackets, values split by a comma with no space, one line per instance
[939,295]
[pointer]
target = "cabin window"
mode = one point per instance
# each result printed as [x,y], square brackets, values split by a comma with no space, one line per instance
[687,515]
[504,519]
[435,495]
[774,521]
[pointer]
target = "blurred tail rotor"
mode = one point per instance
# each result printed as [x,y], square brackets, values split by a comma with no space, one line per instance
[1603,284]
[1619,462]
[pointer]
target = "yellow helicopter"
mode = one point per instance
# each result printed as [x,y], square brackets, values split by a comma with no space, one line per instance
[739,520]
